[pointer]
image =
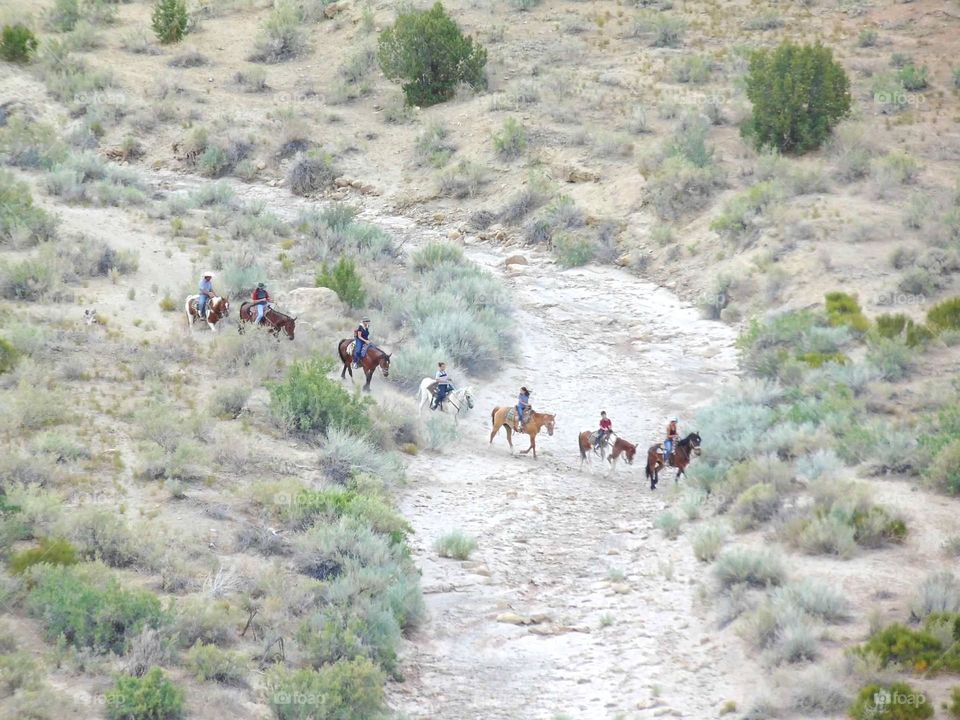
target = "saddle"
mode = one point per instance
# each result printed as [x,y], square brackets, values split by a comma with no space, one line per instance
[593,437]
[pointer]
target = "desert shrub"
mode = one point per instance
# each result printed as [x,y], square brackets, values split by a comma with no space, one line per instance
[661,30]
[282,37]
[151,697]
[944,472]
[817,600]
[169,20]
[818,692]
[8,356]
[208,662]
[953,709]
[463,180]
[64,15]
[17,43]
[228,400]
[573,249]
[307,401]
[680,187]
[669,524]
[22,222]
[311,172]
[211,622]
[311,506]
[345,454]
[843,309]
[433,146]
[101,535]
[510,142]
[456,545]
[944,315]
[347,690]
[694,69]
[755,506]
[903,646]
[798,93]
[76,603]
[897,701]
[708,540]
[938,593]
[852,152]
[913,78]
[901,327]
[759,568]
[55,551]
[867,38]
[519,206]
[893,359]
[345,280]
[428,52]
[738,221]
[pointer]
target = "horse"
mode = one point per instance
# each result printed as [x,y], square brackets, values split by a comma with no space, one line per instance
[584,441]
[375,358]
[535,421]
[621,446]
[457,398]
[273,319]
[217,309]
[683,451]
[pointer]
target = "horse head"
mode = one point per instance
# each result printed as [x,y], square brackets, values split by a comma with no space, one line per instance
[468,397]
[384,364]
[224,306]
[693,439]
[551,419]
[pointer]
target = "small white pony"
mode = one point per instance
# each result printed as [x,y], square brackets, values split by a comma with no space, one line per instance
[458,399]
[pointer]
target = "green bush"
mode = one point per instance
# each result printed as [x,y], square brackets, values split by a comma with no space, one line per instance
[55,551]
[29,279]
[283,37]
[151,697]
[169,20]
[208,662]
[345,280]
[898,701]
[798,93]
[913,78]
[953,709]
[21,222]
[843,309]
[757,568]
[8,356]
[307,401]
[511,141]
[334,503]
[428,52]
[737,222]
[435,254]
[75,602]
[917,650]
[901,327]
[573,249]
[944,471]
[708,540]
[455,545]
[311,172]
[945,315]
[344,690]
[17,43]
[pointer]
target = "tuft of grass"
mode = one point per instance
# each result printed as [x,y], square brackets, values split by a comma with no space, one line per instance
[511,140]
[758,568]
[456,545]
[282,37]
[668,524]
[708,540]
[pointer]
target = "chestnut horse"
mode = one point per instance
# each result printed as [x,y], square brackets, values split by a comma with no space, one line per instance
[217,309]
[375,358]
[535,421]
[683,451]
[273,319]
[584,441]
[620,447]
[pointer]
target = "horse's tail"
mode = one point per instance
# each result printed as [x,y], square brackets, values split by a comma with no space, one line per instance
[493,417]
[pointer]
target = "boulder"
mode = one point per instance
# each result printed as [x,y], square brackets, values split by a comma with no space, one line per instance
[312,303]
[516,260]
[581,175]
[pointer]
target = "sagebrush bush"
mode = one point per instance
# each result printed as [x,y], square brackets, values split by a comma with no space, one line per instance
[282,37]
[661,29]
[228,400]
[151,697]
[89,611]
[8,356]
[799,93]
[307,401]
[944,472]
[463,180]
[21,222]
[347,690]
[17,43]
[433,146]
[708,540]
[101,534]
[210,663]
[455,544]
[738,222]
[344,454]
[345,280]
[511,140]
[52,551]
[760,568]
[311,172]
[428,52]
[939,592]
[680,187]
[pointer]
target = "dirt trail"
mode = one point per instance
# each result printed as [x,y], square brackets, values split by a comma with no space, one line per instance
[553,541]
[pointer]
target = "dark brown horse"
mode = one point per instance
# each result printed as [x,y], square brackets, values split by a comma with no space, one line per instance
[531,426]
[683,451]
[375,358]
[273,319]
[217,309]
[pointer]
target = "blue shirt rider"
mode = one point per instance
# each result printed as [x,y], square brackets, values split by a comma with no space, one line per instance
[206,292]
[362,341]
[523,402]
[444,386]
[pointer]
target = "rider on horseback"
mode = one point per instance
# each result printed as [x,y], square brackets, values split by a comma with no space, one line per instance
[444,386]
[260,298]
[361,341]
[206,292]
[670,442]
[605,431]
[523,403]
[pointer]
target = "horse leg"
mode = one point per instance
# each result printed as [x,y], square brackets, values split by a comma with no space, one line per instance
[343,373]
[369,374]
[509,437]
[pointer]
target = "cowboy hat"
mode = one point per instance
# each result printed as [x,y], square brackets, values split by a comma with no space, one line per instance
[208,274]
[261,285]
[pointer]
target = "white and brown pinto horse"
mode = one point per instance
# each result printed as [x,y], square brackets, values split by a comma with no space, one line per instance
[217,309]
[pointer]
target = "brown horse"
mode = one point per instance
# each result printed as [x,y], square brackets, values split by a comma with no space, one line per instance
[585,445]
[683,451]
[535,421]
[622,447]
[375,358]
[217,309]
[273,319]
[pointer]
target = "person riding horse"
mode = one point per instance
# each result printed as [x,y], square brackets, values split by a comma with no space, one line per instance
[605,431]
[523,403]
[361,338]
[206,292]
[260,298]
[444,386]
[668,444]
